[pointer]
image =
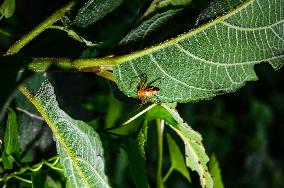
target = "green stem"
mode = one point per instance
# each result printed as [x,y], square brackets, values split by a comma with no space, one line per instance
[160,131]
[39,29]
[52,162]
[74,35]
[22,179]
[139,114]
[168,174]
[97,65]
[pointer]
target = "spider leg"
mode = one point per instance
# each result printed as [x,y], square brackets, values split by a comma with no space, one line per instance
[133,80]
[158,98]
[155,81]
[143,77]
[143,100]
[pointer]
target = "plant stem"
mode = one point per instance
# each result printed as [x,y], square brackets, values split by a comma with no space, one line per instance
[95,65]
[168,174]
[22,179]
[139,114]
[52,162]
[160,131]
[73,34]
[39,29]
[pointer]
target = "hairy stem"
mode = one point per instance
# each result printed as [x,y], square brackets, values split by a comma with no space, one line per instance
[100,66]
[160,131]
[39,29]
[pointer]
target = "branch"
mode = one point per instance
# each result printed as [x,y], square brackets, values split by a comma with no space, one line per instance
[39,29]
[100,66]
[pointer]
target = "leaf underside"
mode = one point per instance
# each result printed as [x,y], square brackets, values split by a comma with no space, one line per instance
[94,10]
[78,145]
[147,27]
[216,58]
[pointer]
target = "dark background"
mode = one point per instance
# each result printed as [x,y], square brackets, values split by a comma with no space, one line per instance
[243,129]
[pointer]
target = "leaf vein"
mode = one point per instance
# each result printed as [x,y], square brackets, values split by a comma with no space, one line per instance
[251,29]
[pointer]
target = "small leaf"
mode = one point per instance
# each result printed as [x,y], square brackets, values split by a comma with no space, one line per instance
[137,159]
[213,59]
[147,27]
[11,138]
[78,145]
[177,158]
[7,8]
[94,10]
[196,158]
[162,4]
[217,8]
[215,172]
[7,160]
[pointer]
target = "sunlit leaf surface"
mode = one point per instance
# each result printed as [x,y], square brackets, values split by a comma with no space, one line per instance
[78,145]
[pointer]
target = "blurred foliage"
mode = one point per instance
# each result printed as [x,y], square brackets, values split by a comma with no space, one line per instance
[243,129]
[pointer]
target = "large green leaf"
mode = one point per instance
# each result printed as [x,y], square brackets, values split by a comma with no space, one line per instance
[218,57]
[78,145]
[94,10]
[40,139]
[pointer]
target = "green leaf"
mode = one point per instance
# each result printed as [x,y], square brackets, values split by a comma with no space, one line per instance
[147,27]
[137,159]
[94,10]
[216,58]
[51,183]
[7,8]
[162,4]
[215,172]
[78,145]
[11,138]
[7,160]
[132,126]
[177,158]
[113,113]
[29,119]
[196,158]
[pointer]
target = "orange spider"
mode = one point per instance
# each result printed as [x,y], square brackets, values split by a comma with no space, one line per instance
[145,90]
